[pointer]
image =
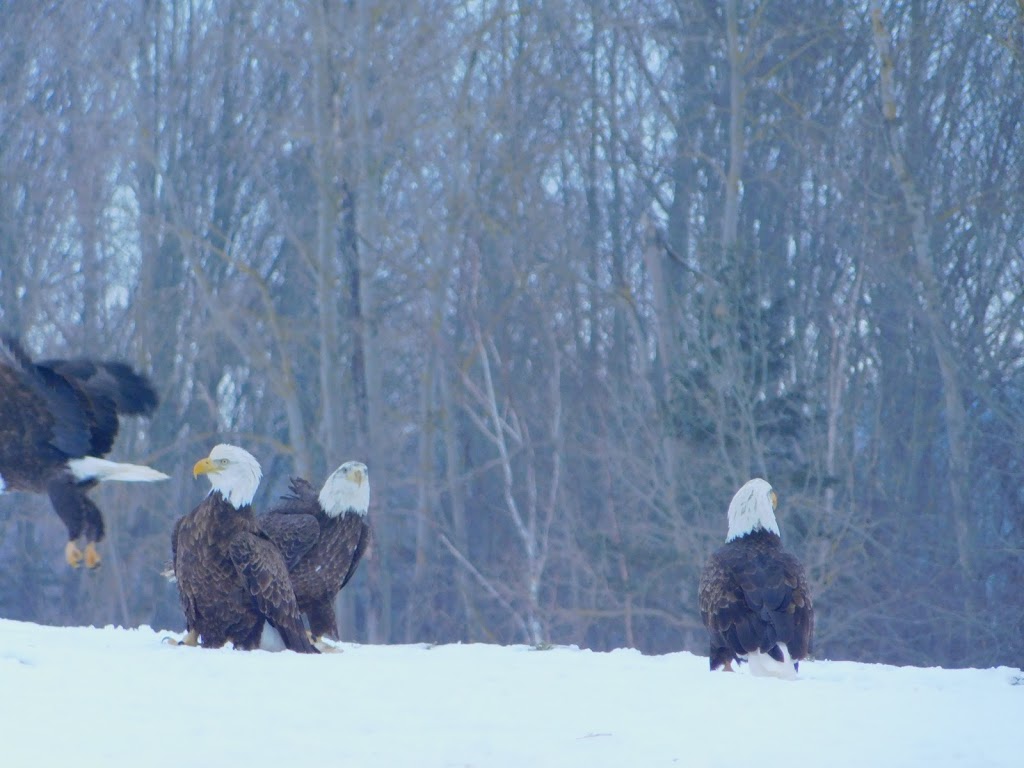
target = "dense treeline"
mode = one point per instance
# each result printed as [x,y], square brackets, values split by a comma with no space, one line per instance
[564,275]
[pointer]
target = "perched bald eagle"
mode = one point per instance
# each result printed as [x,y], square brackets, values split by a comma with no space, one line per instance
[322,537]
[754,596]
[231,578]
[58,418]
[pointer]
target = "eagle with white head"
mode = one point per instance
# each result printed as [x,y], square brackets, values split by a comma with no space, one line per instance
[323,537]
[58,419]
[754,597]
[232,580]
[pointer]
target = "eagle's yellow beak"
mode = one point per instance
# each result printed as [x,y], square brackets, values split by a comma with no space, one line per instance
[357,475]
[772,495]
[204,467]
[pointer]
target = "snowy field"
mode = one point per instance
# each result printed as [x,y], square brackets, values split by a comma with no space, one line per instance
[115,697]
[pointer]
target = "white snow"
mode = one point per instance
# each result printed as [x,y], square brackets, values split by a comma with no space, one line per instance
[121,697]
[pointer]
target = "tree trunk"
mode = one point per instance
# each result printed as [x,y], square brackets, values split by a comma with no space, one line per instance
[933,312]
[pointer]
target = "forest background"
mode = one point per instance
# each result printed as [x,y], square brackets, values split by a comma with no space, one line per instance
[564,274]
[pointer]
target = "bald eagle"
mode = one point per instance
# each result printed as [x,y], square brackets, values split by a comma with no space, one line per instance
[754,597]
[58,418]
[231,578]
[322,537]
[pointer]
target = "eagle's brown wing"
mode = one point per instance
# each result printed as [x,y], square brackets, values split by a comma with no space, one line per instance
[174,539]
[104,389]
[265,574]
[328,569]
[291,523]
[794,617]
[358,539]
[181,575]
[41,415]
[302,491]
[721,607]
[293,533]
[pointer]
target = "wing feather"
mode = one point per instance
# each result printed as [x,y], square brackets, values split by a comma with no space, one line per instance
[265,574]
[293,533]
[752,596]
[361,534]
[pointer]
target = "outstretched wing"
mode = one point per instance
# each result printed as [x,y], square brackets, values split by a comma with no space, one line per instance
[265,575]
[46,407]
[104,390]
[129,392]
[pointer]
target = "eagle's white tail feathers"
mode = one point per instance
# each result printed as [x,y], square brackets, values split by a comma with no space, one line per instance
[94,468]
[763,665]
[271,640]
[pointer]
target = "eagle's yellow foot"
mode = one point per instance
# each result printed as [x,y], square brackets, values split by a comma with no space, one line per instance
[72,554]
[92,557]
[191,639]
[728,666]
[323,645]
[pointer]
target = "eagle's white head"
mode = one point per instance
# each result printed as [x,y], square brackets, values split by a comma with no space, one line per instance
[233,471]
[753,508]
[346,490]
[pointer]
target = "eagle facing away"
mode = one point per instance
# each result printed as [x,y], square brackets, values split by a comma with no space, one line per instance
[322,537]
[231,578]
[58,418]
[754,597]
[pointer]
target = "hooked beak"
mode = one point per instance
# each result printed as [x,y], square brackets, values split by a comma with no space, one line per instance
[204,467]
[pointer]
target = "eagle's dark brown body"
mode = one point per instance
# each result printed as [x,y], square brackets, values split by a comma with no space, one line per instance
[322,552]
[232,579]
[754,595]
[57,411]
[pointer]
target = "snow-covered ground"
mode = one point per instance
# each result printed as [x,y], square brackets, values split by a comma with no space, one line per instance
[121,697]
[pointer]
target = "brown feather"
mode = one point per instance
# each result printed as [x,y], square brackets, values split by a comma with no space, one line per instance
[320,565]
[48,415]
[232,579]
[754,595]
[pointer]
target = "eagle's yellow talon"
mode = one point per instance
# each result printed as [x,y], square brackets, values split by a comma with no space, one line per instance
[92,557]
[324,647]
[72,554]
[191,639]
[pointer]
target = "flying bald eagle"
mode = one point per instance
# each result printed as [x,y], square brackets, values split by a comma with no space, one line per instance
[322,537]
[754,596]
[58,418]
[231,578]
